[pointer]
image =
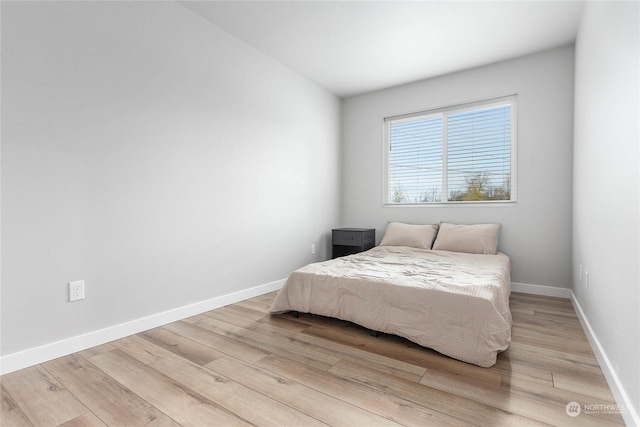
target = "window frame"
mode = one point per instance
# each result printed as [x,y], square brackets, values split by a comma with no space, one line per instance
[511,100]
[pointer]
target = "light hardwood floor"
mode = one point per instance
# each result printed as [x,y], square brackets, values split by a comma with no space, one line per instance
[238,365]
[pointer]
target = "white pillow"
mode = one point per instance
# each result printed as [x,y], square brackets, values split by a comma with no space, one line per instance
[472,239]
[415,236]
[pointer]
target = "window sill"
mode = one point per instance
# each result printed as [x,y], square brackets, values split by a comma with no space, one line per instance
[484,204]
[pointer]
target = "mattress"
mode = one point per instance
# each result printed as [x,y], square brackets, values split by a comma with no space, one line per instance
[455,303]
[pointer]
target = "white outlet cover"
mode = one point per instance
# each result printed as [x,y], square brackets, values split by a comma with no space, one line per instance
[76,290]
[586,279]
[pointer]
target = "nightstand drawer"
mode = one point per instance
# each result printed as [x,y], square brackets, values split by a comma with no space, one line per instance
[347,241]
[347,238]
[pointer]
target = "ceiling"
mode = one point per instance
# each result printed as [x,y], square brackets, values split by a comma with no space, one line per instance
[351,47]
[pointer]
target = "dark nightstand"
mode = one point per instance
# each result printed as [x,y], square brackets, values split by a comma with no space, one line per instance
[347,241]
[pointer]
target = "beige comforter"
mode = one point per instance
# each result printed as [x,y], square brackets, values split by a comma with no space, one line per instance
[454,303]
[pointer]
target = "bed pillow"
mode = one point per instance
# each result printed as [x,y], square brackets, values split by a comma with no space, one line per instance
[415,236]
[472,239]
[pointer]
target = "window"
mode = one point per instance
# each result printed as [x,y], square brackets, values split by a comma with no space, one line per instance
[459,154]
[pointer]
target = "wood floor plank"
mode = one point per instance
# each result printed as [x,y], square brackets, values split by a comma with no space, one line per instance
[41,397]
[216,341]
[449,403]
[555,325]
[557,396]
[330,347]
[255,407]
[256,304]
[383,363]
[177,401]
[552,360]
[113,403]
[181,346]
[258,318]
[320,406]
[243,311]
[84,420]
[383,404]
[519,370]
[566,318]
[588,386]
[11,415]
[140,349]
[281,325]
[503,399]
[269,345]
[566,310]
[547,301]
[573,343]
[535,323]
[96,350]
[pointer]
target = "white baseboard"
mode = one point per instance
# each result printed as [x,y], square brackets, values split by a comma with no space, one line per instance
[33,356]
[548,291]
[630,416]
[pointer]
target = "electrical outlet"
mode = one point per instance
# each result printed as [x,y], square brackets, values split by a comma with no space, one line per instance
[586,279]
[313,249]
[76,290]
[580,276]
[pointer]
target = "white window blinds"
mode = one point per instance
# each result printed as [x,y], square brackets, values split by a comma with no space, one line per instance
[464,153]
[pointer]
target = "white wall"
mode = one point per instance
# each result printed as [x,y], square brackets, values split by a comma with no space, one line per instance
[536,232]
[606,220]
[154,156]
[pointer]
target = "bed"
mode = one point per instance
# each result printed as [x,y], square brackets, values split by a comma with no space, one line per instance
[455,302]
